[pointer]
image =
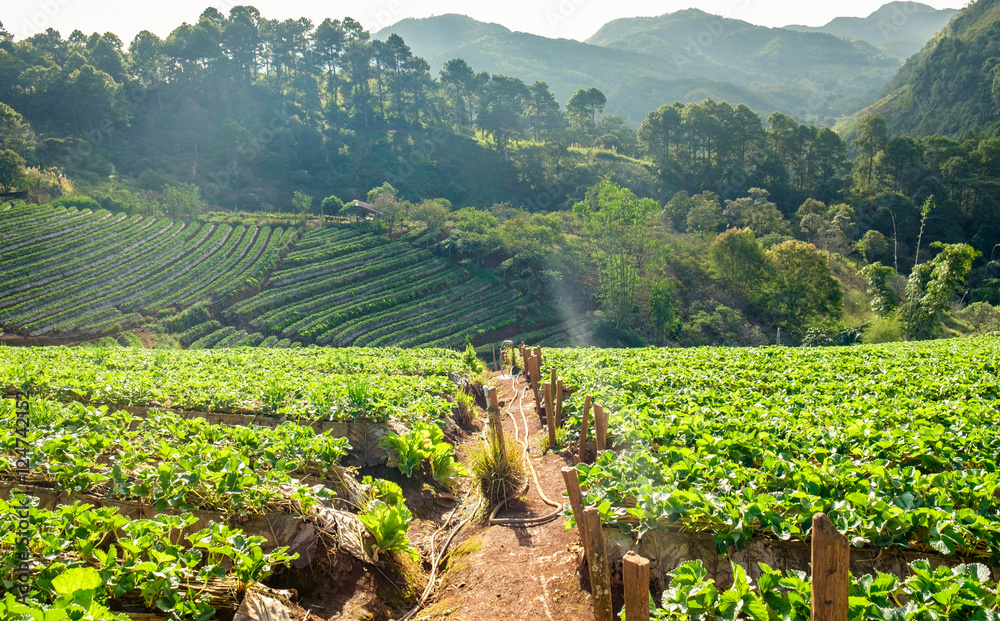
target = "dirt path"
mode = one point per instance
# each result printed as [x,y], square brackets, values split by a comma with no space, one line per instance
[515,572]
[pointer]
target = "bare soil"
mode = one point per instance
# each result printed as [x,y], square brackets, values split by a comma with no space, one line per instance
[491,572]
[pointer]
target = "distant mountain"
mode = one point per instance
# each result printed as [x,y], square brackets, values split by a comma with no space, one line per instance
[899,28]
[815,76]
[952,84]
[634,83]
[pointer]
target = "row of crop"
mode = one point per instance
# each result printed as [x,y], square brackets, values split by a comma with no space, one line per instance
[107,289]
[241,254]
[166,459]
[197,331]
[88,286]
[493,304]
[95,303]
[897,444]
[96,556]
[346,290]
[313,382]
[278,297]
[493,324]
[341,263]
[248,273]
[204,272]
[361,333]
[183,263]
[318,325]
[965,591]
[69,222]
[210,339]
[76,280]
[19,221]
[335,235]
[46,259]
[283,316]
[336,243]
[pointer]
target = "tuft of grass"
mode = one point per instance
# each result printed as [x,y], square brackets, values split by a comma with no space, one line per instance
[543,444]
[500,473]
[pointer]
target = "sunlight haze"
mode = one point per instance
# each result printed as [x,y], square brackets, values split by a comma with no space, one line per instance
[571,19]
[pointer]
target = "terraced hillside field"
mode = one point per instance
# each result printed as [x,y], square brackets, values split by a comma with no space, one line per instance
[344,286]
[68,271]
[83,274]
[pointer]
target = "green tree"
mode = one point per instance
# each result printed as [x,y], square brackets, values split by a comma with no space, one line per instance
[755,212]
[801,288]
[738,261]
[583,107]
[542,110]
[664,308]
[432,213]
[15,133]
[658,132]
[931,286]
[301,203]
[11,169]
[879,279]
[873,245]
[618,223]
[705,215]
[502,109]
[872,138]
[183,199]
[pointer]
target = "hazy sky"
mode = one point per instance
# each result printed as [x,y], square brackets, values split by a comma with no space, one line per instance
[572,19]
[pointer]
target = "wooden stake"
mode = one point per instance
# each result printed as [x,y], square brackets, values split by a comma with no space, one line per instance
[597,559]
[572,479]
[635,575]
[559,401]
[600,427]
[497,428]
[530,369]
[831,555]
[538,354]
[550,418]
[583,430]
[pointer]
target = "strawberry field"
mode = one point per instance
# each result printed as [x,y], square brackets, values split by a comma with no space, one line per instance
[155,508]
[81,275]
[897,444]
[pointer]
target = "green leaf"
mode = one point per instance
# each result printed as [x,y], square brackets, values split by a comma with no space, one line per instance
[75,580]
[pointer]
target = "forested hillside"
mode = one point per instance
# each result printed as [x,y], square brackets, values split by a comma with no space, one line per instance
[705,224]
[951,85]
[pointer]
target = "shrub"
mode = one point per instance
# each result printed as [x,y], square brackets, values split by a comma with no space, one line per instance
[885,330]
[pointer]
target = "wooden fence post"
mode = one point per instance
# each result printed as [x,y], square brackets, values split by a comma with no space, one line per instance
[493,412]
[538,354]
[550,417]
[572,479]
[600,427]
[583,429]
[559,402]
[635,575]
[831,555]
[597,560]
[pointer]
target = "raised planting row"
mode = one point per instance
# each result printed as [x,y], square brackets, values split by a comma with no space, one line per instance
[898,444]
[311,384]
[82,271]
[346,286]
[88,558]
[167,460]
[962,592]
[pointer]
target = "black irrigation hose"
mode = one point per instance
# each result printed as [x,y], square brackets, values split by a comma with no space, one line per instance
[535,521]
